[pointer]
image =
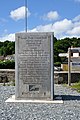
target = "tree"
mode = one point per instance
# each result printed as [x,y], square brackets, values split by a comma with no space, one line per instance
[7,48]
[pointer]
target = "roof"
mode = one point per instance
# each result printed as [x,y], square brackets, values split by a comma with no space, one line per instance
[75,50]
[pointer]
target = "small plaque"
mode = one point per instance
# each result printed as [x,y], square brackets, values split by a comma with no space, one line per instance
[33,88]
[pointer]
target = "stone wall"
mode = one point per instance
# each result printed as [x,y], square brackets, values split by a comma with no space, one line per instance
[59,77]
[7,75]
[62,77]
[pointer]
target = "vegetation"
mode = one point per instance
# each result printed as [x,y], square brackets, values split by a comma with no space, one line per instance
[7,64]
[76,86]
[60,46]
[7,48]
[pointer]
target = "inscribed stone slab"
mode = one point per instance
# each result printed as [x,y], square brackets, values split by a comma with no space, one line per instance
[34,65]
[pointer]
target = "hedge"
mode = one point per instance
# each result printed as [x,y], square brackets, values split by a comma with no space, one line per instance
[7,64]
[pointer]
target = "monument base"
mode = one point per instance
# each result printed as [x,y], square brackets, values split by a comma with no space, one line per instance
[57,100]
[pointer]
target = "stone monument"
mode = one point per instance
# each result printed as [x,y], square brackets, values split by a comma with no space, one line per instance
[34,66]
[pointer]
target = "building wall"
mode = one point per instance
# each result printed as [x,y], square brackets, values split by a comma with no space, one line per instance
[64,67]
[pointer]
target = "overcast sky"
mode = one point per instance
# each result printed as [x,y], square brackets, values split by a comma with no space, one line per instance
[59,16]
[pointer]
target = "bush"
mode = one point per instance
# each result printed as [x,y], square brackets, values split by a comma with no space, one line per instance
[57,64]
[7,64]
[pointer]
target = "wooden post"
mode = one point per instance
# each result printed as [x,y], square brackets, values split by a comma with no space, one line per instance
[69,66]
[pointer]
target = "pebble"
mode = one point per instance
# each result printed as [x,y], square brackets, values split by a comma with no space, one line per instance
[69,110]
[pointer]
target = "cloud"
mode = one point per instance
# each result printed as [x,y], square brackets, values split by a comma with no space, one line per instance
[59,28]
[74,31]
[19,13]
[52,15]
[77,18]
[77,0]
[62,28]
[10,37]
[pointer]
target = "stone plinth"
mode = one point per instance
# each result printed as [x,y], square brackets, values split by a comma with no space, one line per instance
[34,66]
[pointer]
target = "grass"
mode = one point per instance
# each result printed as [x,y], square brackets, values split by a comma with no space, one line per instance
[76,86]
[64,84]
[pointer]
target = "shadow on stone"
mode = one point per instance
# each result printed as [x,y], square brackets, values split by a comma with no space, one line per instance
[67,97]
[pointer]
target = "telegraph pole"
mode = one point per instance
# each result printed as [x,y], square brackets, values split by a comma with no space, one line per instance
[25,15]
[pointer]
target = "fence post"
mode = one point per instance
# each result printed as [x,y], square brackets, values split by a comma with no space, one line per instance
[69,66]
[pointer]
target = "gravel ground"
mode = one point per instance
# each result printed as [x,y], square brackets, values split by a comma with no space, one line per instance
[69,110]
